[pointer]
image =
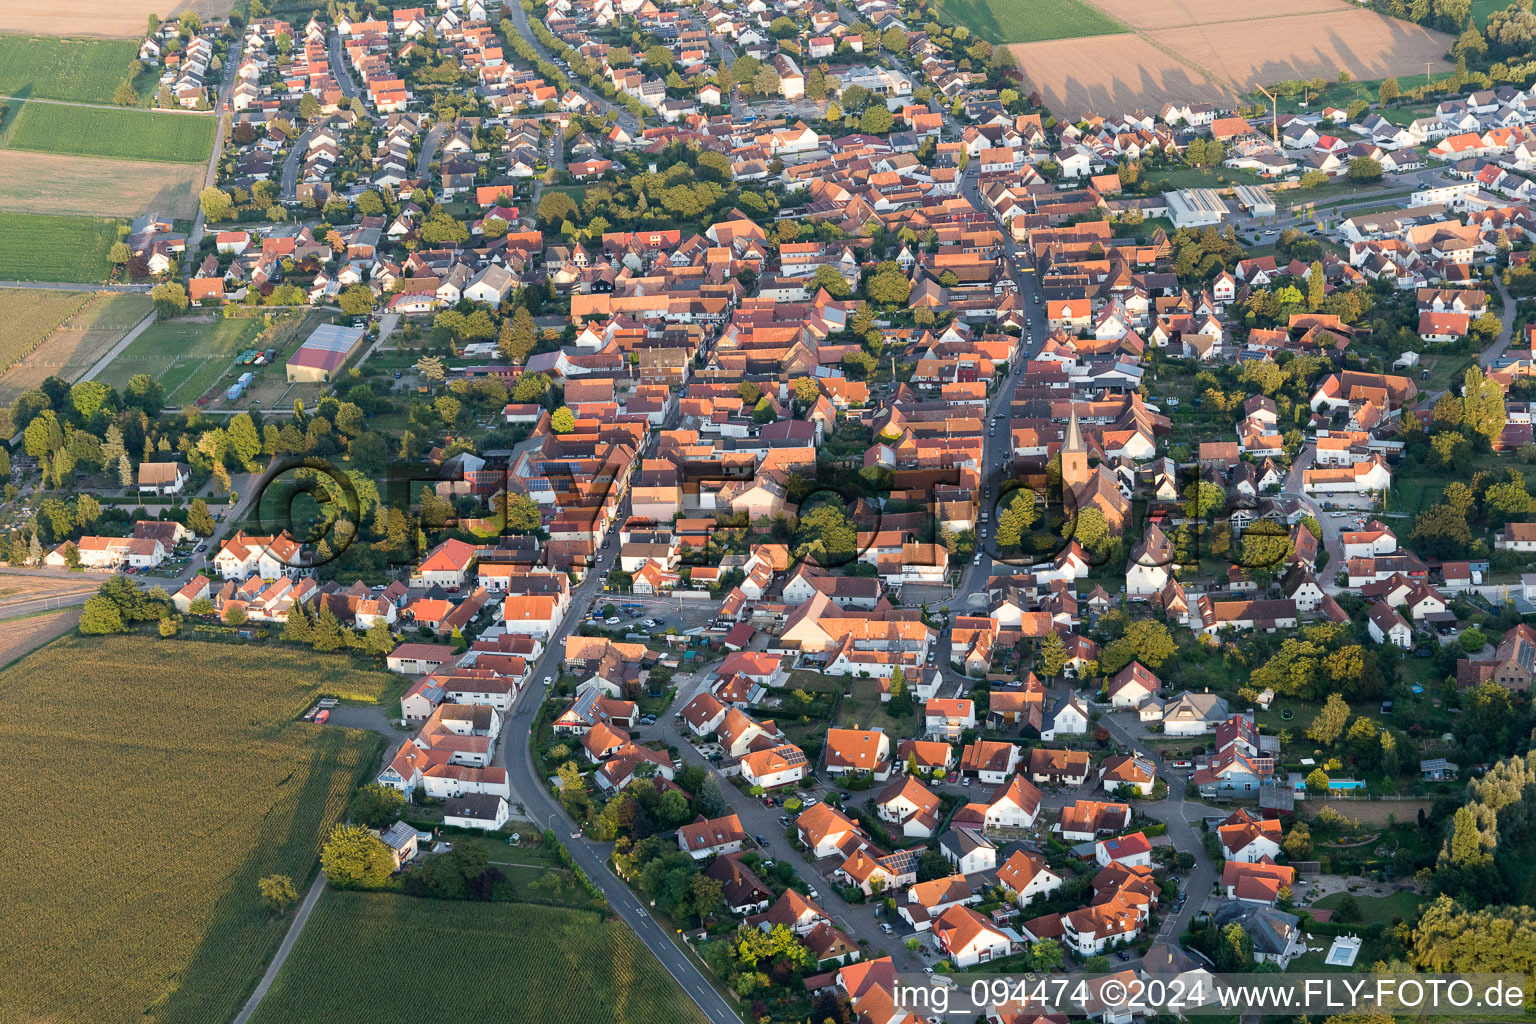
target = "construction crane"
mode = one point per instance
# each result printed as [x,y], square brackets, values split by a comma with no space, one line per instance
[1274,116]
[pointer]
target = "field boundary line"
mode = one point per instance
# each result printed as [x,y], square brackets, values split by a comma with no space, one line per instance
[110,106]
[124,342]
[299,921]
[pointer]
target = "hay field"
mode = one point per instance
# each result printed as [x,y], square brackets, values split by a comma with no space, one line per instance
[36,247]
[47,183]
[109,18]
[1193,50]
[161,779]
[74,345]
[1008,21]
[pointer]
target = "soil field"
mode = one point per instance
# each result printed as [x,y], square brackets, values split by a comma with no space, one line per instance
[541,962]
[45,183]
[119,133]
[1107,74]
[161,780]
[1191,50]
[74,346]
[100,17]
[1366,44]
[84,70]
[52,248]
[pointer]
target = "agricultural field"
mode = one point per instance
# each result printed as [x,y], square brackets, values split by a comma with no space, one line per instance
[535,954]
[27,317]
[87,186]
[119,133]
[48,67]
[161,780]
[188,355]
[100,17]
[20,636]
[73,346]
[1207,50]
[1007,21]
[36,247]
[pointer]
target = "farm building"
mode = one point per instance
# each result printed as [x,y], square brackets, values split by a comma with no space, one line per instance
[323,353]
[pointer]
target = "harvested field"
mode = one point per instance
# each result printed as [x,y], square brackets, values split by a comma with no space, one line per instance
[46,183]
[100,17]
[1192,50]
[117,132]
[1366,44]
[73,346]
[22,636]
[28,316]
[1108,74]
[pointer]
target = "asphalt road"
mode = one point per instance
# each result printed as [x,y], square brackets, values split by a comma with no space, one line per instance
[294,162]
[626,120]
[337,60]
[540,808]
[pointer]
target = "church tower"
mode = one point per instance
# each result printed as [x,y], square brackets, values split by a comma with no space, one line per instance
[1074,458]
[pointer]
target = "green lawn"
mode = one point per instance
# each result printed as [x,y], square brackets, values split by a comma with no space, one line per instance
[1482,8]
[187,355]
[1342,94]
[99,131]
[530,963]
[1382,909]
[1008,21]
[37,247]
[84,70]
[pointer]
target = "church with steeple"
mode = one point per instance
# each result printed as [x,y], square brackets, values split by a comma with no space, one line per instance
[1083,486]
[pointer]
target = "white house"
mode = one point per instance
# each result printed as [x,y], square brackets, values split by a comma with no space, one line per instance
[968,938]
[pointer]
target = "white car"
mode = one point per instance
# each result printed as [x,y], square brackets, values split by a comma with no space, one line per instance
[614,620]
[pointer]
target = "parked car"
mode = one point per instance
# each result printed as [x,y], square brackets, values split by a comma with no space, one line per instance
[613,620]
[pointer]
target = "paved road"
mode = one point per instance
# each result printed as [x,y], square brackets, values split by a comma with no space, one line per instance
[1172,811]
[337,59]
[211,175]
[1493,352]
[539,807]
[429,150]
[294,163]
[117,350]
[300,919]
[627,120]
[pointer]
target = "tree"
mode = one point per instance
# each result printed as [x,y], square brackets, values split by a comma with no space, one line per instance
[1045,955]
[1204,499]
[170,298]
[377,805]
[199,521]
[1482,404]
[894,39]
[1389,91]
[1317,781]
[1052,657]
[1364,169]
[119,253]
[356,300]
[125,96]
[876,119]
[100,616]
[1019,516]
[1297,843]
[1329,724]
[1234,949]
[432,369]
[519,336]
[562,421]
[888,285]
[217,204]
[1145,640]
[355,857]
[277,891]
[1312,179]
